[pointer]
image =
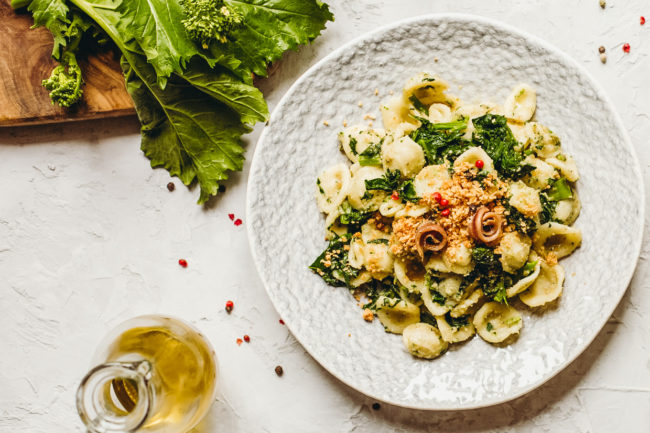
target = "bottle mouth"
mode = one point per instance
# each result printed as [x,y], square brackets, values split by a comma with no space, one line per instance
[115,397]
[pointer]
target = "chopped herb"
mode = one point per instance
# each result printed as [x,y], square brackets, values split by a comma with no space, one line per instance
[419,105]
[441,141]
[561,157]
[512,321]
[320,188]
[366,195]
[372,155]
[489,326]
[379,241]
[495,137]
[428,79]
[353,145]
[332,265]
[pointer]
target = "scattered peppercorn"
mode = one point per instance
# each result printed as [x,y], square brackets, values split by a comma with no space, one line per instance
[222,188]
[239,341]
[626,47]
[171,186]
[247,338]
[602,4]
[444,202]
[238,222]
[281,322]
[279,371]
[182,262]
[231,216]
[376,406]
[437,196]
[642,20]
[603,58]
[395,196]
[445,212]
[601,49]
[229,306]
[479,164]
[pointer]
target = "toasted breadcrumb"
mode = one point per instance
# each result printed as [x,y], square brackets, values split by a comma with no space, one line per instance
[465,195]
[368,315]
[326,123]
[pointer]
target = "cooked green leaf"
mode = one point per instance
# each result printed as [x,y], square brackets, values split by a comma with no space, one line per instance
[495,137]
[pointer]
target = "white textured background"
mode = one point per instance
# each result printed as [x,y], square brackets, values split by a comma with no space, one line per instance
[90,236]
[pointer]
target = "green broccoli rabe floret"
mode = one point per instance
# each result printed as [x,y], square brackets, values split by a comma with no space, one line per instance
[65,82]
[209,20]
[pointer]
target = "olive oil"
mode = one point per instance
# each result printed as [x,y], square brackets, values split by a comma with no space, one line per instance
[179,379]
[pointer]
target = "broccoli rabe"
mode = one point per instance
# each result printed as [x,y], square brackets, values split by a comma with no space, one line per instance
[209,20]
[65,82]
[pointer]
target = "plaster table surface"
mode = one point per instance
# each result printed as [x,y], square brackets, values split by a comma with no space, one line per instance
[90,236]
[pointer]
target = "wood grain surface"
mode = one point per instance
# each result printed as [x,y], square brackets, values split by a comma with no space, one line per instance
[25,60]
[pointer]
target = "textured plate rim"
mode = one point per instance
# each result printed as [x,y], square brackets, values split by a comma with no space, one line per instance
[631,267]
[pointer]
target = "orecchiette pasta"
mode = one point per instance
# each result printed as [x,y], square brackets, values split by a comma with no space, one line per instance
[448,214]
[521,103]
[546,288]
[404,155]
[556,238]
[495,322]
[424,341]
[358,196]
[332,187]
[514,249]
[396,314]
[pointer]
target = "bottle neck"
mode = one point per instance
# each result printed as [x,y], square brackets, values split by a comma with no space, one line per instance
[115,397]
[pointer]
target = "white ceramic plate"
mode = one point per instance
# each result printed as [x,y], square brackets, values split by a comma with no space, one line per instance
[286,229]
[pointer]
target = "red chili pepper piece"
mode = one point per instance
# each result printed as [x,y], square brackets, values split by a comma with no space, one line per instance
[626,47]
[437,196]
[231,216]
[182,262]
[247,338]
[479,164]
[395,196]
[445,212]
[642,20]
[444,202]
[229,306]
[238,222]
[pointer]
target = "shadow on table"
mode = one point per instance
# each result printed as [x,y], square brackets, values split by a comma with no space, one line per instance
[82,131]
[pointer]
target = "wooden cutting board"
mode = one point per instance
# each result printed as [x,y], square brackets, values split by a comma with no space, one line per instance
[25,61]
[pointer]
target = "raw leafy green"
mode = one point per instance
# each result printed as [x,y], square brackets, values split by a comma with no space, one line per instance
[495,137]
[188,68]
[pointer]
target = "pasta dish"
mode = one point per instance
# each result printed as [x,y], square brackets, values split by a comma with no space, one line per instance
[452,218]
